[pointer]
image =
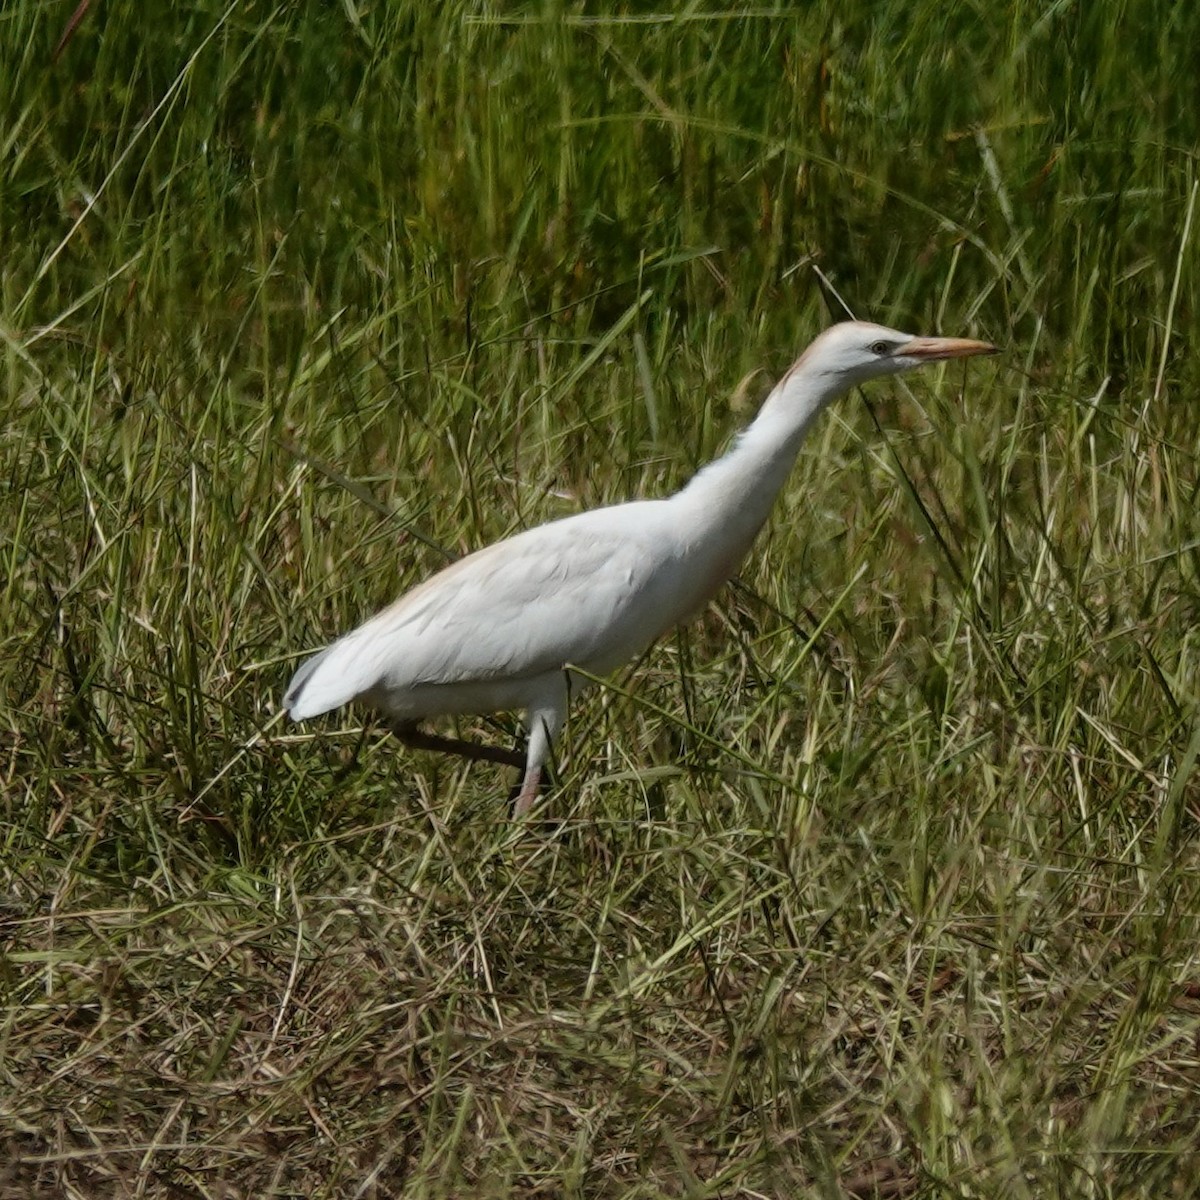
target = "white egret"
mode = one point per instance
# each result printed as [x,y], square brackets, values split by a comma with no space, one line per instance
[501,628]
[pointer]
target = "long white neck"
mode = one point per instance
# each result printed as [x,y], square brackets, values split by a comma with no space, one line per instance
[728,501]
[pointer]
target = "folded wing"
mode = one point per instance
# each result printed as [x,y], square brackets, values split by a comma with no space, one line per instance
[574,591]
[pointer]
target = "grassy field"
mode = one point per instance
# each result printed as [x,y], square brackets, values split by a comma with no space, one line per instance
[880,880]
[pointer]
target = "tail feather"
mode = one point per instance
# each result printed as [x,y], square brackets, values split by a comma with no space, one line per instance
[298,708]
[332,677]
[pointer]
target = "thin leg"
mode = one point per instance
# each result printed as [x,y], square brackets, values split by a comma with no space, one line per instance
[545,720]
[531,786]
[418,739]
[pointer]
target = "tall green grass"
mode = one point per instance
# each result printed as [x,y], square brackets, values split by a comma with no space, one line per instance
[878,880]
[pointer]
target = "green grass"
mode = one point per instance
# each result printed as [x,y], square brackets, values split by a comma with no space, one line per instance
[879,880]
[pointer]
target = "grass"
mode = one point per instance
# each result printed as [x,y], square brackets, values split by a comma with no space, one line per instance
[879,880]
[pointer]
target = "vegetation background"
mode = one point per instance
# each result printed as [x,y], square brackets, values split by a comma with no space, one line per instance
[880,880]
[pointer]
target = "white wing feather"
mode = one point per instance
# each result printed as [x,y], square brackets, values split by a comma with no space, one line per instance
[592,590]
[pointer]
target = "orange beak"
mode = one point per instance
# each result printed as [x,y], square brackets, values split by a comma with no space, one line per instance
[933,349]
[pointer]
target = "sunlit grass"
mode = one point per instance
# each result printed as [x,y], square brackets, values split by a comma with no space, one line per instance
[878,880]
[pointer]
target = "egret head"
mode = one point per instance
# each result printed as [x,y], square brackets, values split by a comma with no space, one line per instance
[856,351]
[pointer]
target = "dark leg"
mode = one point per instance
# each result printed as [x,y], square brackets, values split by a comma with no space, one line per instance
[418,739]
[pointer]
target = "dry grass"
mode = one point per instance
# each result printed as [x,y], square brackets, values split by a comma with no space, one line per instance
[881,880]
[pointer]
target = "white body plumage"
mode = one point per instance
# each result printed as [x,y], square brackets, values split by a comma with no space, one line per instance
[500,628]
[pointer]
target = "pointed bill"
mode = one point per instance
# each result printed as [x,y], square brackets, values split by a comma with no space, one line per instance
[931,349]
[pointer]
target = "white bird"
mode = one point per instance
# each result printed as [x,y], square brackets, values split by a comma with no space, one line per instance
[501,628]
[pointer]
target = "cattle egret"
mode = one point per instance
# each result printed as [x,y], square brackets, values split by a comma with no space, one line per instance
[501,628]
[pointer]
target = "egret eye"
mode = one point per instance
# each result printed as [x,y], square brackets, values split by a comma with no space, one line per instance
[880,348]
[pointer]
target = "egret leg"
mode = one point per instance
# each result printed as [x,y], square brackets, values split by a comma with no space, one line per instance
[531,786]
[545,720]
[419,739]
